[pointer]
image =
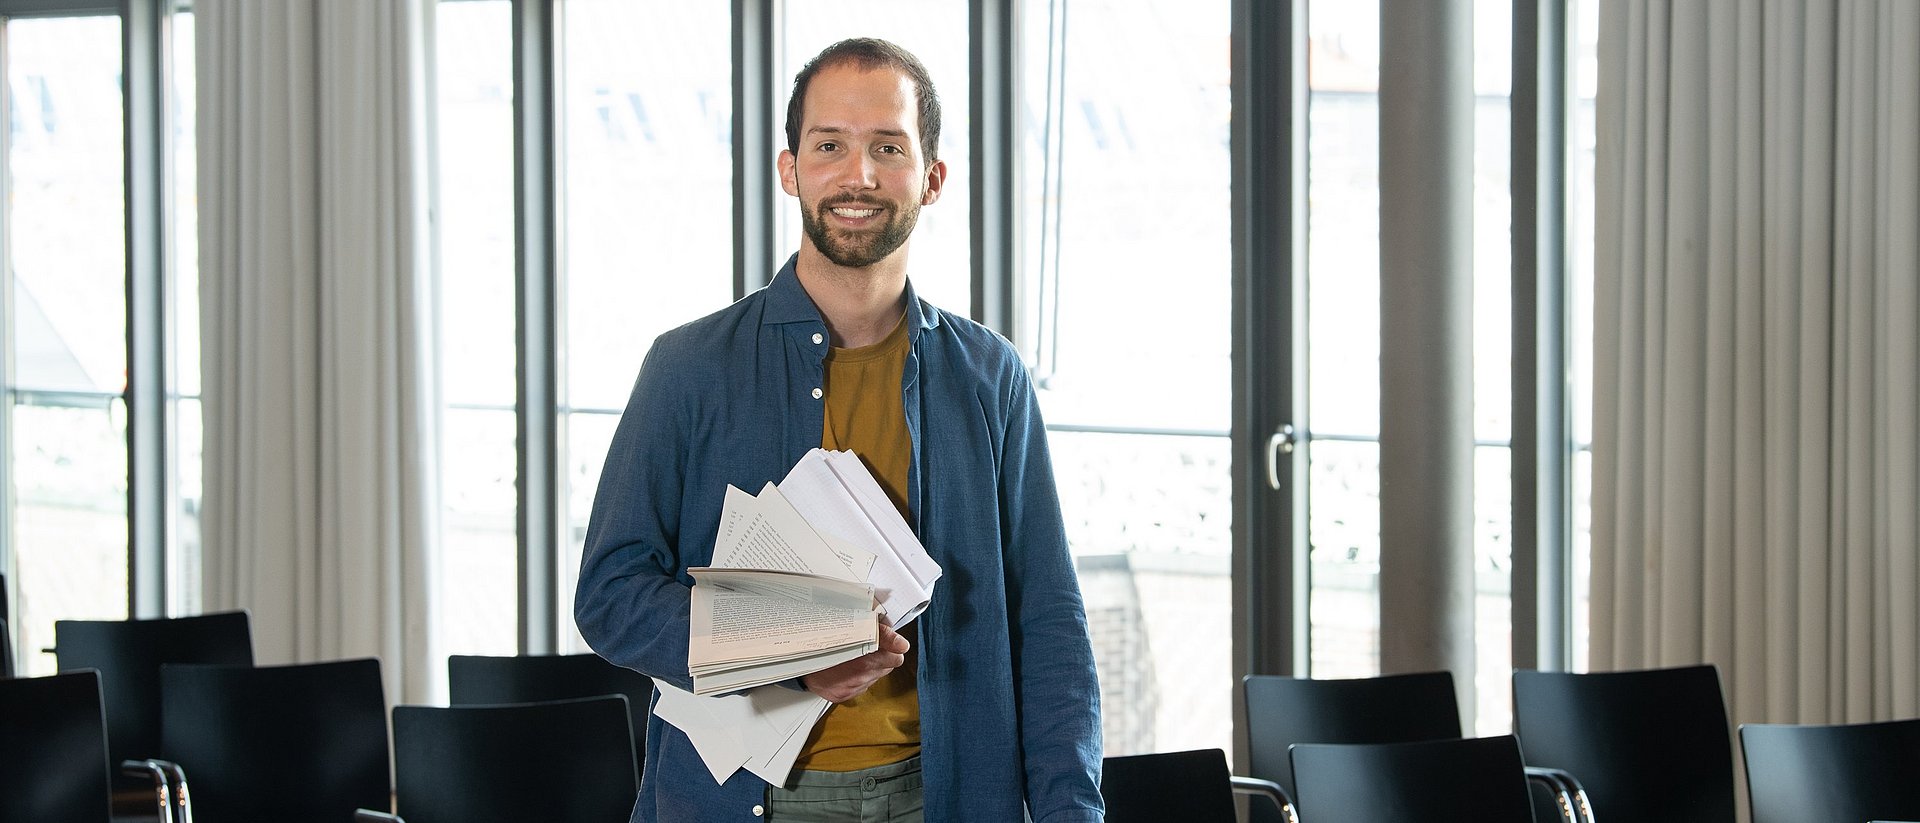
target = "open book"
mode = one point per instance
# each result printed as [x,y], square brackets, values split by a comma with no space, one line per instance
[799,573]
[802,574]
[758,626]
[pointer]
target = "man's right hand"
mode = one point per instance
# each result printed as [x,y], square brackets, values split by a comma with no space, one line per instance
[848,680]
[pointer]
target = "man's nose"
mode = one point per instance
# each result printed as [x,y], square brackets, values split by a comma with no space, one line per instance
[857,173]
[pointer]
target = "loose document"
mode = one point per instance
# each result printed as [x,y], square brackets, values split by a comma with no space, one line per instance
[802,573]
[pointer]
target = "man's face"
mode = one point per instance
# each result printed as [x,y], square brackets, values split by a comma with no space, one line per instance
[860,171]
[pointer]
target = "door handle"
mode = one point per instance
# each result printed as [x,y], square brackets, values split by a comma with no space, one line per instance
[1280,443]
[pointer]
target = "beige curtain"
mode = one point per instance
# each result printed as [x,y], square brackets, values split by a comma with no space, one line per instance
[317,355]
[1755,453]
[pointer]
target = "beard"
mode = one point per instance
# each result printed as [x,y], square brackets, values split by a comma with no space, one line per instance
[858,250]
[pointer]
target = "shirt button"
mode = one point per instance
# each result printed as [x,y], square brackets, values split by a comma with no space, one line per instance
[817,393]
[759,810]
[817,338]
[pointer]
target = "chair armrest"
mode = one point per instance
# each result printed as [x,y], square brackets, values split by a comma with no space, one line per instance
[1269,790]
[371,816]
[162,783]
[1571,796]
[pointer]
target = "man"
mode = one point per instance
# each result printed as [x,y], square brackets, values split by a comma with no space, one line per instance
[986,707]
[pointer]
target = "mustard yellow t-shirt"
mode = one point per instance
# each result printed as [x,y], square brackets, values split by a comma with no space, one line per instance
[865,415]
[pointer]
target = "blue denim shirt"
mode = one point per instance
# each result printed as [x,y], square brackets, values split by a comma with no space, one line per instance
[1009,704]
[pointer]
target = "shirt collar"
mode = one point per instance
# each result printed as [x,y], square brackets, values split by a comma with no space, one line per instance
[787,302]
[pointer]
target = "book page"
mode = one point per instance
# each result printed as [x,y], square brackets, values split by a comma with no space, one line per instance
[766,532]
[744,615]
[835,492]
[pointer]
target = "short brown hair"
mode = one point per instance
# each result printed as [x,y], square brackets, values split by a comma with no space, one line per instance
[870,53]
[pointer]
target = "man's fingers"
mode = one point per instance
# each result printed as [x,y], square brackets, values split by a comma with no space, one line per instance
[891,641]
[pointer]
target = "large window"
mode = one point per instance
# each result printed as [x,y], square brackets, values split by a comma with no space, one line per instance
[1123,304]
[1125,273]
[66,325]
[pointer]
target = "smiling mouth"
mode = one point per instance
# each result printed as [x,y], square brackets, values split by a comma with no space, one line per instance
[850,212]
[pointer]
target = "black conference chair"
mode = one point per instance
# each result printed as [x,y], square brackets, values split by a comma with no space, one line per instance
[1191,786]
[474,680]
[1473,780]
[53,754]
[129,654]
[1864,771]
[1648,745]
[1398,708]
[289,744]
[6,634]
[53,750]
[563,761]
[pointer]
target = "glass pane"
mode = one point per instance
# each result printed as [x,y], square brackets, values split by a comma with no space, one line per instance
[936,32]
[587,435]
[65,326]
[184,592]
[1343,264]
[1493,590]
[478,584]
[1492,272]
[1127,297]
[69,519]
[477,608]
[184,442]
[1343,46]
[646,107]
[647,183]
[474,78]
[1581,135]
[1149,520]
[184,228]
[1343,536]
[1343,339]
[68,321]
[1493,367]
[1126,321]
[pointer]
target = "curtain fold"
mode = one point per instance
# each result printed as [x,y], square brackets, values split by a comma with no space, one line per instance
[318,355]
[1756,446]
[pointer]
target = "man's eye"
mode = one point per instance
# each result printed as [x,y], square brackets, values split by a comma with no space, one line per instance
[890,149]
[829,147]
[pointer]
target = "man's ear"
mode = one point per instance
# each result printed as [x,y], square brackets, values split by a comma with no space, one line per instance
[787,179]
[936,179]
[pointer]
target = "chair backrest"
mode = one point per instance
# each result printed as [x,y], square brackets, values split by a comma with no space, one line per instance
[1473,780]
[6,649]
[1401,708]
[129,654]
[53,749]
[6,635]
[1648,745]
[563,761]
[1190,787]
[478,680]
[1864,771]
[291,744]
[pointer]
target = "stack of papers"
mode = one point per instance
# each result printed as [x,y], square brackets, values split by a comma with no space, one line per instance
[802,573]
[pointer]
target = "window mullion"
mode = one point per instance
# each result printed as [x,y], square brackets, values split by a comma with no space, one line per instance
[536,229]
[143,27]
